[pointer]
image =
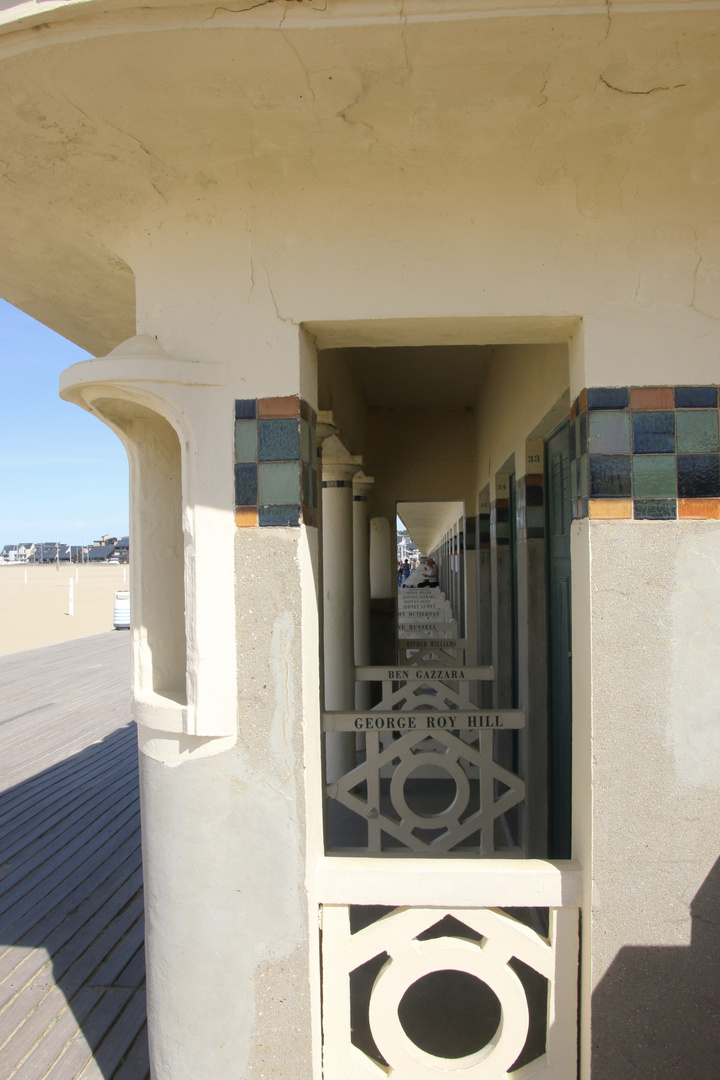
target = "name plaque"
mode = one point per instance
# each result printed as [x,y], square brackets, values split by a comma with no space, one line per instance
[405,626]
[422,673]
[430,643]
[505,720]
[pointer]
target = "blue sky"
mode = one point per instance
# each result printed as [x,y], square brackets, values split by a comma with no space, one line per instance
[63,474]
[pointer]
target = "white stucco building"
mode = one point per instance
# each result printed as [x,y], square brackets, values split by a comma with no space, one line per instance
[333,256]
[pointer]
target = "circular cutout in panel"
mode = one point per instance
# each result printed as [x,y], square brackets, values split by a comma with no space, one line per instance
[444,819]
[434,798]
[450,1014]
[411,962]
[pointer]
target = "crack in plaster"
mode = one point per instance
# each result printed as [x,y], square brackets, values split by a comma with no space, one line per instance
[289,43]
[696,271]
[639,93]
[252,269]
[239,11]
[282,318]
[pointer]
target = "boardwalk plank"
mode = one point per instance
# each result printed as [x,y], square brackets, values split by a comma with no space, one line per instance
[136,1064]
[45,1033]
[59,926]
[118,1041]
[109,972]
[78,1055]
[71,922]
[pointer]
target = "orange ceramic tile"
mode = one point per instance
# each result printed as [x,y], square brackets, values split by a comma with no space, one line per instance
[699,508]
[246,516]
[583,400]
[652,397]
[278,407]
[610,508]
[534,478]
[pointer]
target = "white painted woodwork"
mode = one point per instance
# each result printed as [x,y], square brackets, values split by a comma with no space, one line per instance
[411,673]
[446,754]
[338,469]
[409,959]
[496,720]
[361,581]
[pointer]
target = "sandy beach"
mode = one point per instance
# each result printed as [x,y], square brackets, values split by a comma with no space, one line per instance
[36,613]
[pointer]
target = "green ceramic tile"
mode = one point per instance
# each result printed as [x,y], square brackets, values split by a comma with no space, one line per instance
[609,432]
[697,432]
[654,476]
[245,440]
[279,483]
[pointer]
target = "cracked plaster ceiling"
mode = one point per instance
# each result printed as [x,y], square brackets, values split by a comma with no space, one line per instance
[109,123]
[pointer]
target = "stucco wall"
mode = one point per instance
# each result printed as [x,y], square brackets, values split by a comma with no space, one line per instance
[224,860]
[655,731]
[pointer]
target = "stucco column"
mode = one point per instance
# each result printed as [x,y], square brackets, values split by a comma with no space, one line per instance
[338,469]
[225,624]
[382,560]
[361,582]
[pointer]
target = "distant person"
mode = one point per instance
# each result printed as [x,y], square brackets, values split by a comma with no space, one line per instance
[400,573]
[405,571]
[430,580]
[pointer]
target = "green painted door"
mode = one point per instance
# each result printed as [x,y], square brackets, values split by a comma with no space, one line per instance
[559,517]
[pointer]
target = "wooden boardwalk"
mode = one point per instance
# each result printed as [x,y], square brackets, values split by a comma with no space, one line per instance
[72,964]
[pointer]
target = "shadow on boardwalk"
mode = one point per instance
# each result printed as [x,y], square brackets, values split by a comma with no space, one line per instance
[72,965]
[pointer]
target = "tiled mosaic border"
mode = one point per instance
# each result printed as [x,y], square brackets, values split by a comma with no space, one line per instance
[646,452]
[500,522]
[530,505]
[275,462]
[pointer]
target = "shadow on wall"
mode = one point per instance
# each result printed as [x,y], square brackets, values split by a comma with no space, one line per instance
[656,1012]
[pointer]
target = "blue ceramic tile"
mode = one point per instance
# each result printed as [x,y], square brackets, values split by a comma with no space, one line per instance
[583,432]
[609,475]
[278,482]
[245,440]
[698,476]
[534,495]
[609,432]
[696,397]
[246,409]
[582,467]
[654,476]
[574,439]
[314,488]
[697,431]
[279,440]
[278,516]
[608,397]
[246,485]
[654,432]
[655,509]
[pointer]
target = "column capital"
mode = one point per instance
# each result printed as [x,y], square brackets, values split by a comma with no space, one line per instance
[325,426]
[338,466]
[361,485]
